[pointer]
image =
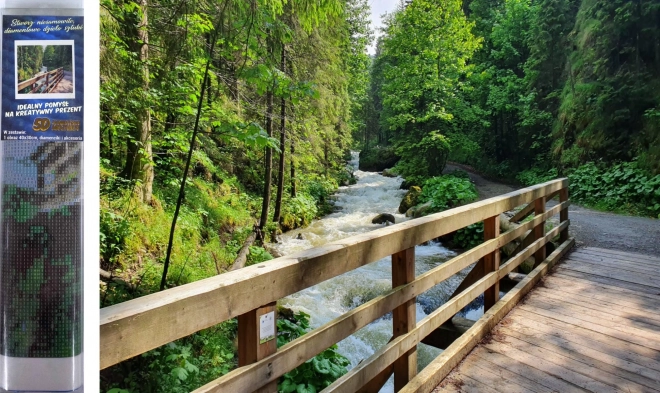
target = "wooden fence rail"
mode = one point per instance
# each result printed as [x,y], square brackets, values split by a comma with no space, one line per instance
[50,80]
[134,327]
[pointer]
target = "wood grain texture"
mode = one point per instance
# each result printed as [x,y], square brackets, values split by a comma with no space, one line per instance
[136,326]
[492,261]
[404,316]
[437,370]
[587,327]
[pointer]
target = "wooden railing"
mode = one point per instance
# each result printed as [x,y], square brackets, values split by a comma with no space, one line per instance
[131,328]
[43,83]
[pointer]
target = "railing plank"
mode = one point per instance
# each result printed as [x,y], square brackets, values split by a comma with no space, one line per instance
[136,326]
[563,215]
[404,316]
[491,261]
[539,230]
[438,369]
[250,346]
[369,368]
[291,355]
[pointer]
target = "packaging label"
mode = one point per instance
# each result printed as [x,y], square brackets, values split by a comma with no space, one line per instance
[42,78]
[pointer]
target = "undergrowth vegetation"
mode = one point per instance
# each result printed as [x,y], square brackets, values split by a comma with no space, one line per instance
[445,192]
[621,188]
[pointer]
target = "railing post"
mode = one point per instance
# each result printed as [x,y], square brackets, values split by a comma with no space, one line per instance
[563,215]
[403,317]
[257,338]
[539,230]
[491,261]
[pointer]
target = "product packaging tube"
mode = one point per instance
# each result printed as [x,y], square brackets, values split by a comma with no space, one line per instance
[41,226]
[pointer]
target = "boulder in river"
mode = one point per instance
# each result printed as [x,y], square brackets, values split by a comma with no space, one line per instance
[410,199]
[383,218]
[421,210]
[389,173]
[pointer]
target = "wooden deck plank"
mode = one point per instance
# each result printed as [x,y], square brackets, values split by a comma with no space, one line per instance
[637,336]
[611,268]
[615,264]
[505,375]
[545,361]
[614,371]
[633,315]
[637,256]
[463,384]
[629,290]
[564,270]
[598,292]
[591,325]
[473,369]
[524,375]
[649,331]
[635,278]
[624,349]
[616,258]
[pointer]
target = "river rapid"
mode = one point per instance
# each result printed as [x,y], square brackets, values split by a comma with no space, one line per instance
[356,206]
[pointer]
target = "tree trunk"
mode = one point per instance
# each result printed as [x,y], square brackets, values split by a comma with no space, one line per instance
[280,180]
[139,165]
[241,258]
[269,154]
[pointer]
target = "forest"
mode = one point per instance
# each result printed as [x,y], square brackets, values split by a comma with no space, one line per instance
[31,58]
[225,123]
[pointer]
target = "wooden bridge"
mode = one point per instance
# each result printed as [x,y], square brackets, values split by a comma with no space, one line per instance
[43,83]
[593,325]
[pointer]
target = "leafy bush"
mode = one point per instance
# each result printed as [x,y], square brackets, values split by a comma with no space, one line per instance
[622,187]
[315,374]
[377,158]
[298,212]
[180,366]
[534,176]
[423,159]
[470,236]
[114,230]
[447,191]
[257,255]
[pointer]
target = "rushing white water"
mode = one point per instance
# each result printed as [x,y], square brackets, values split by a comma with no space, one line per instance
[357,206]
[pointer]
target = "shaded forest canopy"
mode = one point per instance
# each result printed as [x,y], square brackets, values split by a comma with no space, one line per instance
[520,84]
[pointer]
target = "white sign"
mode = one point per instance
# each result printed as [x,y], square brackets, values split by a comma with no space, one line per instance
[267,327]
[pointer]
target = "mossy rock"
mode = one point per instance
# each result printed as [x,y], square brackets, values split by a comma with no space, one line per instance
[410,199]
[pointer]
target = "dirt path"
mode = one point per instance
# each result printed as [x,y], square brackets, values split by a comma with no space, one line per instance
[590,227]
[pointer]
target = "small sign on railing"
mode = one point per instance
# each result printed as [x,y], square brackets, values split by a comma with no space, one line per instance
[267,327]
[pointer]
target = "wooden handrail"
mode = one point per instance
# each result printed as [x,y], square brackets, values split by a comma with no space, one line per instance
[58,72]
[136,326]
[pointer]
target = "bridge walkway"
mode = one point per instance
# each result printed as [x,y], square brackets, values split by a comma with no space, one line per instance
[592,324]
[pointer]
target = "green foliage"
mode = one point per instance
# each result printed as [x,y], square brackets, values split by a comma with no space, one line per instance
[298,212]
[318,372]
[257,255]
[535,175]
[114,231]
[470,236]
[424,159]
[178,367]
[623,187]
[446,192]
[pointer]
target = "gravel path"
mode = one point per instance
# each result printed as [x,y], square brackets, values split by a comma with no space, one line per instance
[590,227]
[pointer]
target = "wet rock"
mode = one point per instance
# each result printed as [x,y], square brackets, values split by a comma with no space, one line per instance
[300,237]
[383,218]
[410,199]
[389,173]
[422,210]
